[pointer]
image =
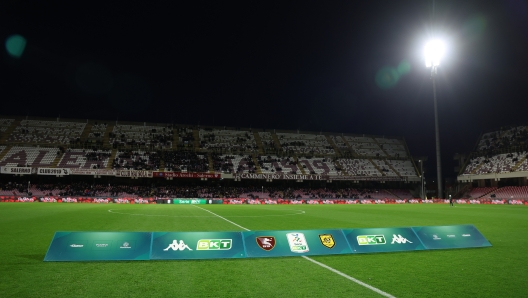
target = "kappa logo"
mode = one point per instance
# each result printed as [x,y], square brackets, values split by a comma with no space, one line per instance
[177,246]
[371,239]
[399,239]
[214,244]
[298,243]
[267,243]
[327,240]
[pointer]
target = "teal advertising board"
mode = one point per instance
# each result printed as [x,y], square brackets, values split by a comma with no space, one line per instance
[99,246]
[196,245]
[445,237]
[115,246]
[373,240]
[295,243]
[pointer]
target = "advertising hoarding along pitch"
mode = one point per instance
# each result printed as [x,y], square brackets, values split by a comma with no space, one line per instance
[112,246]
[444,237]
[382,240]
[295,243]
[99,246]
[196,245]
[189,201]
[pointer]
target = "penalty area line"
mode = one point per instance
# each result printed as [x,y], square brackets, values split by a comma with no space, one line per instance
[357,281]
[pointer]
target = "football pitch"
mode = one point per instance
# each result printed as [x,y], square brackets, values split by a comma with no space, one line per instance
[498,271]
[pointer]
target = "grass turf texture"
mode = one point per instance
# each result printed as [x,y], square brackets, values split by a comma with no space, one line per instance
[498,271]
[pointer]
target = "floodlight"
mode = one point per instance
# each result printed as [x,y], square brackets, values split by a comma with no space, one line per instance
[434,50]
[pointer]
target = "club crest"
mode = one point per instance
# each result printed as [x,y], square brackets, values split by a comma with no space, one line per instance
[327,240]
[266,242]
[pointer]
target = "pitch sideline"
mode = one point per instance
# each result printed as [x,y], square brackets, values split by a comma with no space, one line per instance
[385,294]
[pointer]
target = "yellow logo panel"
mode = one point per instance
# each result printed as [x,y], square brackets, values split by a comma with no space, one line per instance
[327,240]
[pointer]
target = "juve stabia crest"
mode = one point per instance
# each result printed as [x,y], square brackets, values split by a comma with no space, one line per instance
[327,240]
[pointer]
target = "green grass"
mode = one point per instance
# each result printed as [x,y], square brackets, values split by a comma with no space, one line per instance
[499,271]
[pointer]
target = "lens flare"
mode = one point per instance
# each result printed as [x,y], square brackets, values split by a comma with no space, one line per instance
[15,45]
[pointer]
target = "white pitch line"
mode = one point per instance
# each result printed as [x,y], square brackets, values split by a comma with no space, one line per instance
[223,218]
[359,282]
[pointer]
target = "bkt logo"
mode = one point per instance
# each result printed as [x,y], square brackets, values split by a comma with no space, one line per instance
[371,239]
[399,239]
[214,244]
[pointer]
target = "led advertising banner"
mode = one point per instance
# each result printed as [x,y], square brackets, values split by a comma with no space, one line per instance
[99,246]
[197,245]
[189,201]
[444,237]
[295,243]
[382,240]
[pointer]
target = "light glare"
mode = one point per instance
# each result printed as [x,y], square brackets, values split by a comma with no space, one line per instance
[434,50]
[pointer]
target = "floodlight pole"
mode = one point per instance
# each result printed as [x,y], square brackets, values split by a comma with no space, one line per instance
[440,193]
[422,180]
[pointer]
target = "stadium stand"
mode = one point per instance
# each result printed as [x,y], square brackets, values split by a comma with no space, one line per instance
[84,159]
[268,143]
[304,144]
[141,136]
[473,165]
[227,141]
[403,167]
[5,124]
[359,167]
[340,143]
[29,157]
[89,146]
[522,166]
[503,138]
[384,167]
[185,161]
[393,147]
[46,132]
[185,137]
[365,146]
[233,164]
[193,191]
[510,192]
[319,166]
[97,132]
[478,192]
[500,163]
[137,160]
[273,164]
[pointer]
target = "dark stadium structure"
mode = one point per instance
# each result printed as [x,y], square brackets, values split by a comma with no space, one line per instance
[497,169]
[74,160]
[73,157]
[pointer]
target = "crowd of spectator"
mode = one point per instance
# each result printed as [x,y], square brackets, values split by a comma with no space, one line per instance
[137,160]
[185,136]
[506,137]
[85,189]
[185,161]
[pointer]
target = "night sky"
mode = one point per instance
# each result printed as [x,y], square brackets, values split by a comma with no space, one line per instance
[335,66]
